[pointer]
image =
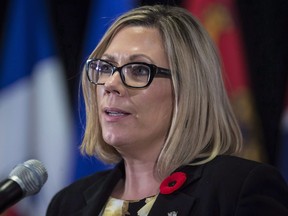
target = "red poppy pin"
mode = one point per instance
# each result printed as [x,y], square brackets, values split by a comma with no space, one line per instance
[172,182]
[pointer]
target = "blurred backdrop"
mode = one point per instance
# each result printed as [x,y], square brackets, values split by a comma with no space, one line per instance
[43,47]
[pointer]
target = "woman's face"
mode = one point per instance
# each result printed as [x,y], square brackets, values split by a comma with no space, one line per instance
[135,119]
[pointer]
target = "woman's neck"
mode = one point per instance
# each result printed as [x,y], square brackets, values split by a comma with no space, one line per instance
[140,180]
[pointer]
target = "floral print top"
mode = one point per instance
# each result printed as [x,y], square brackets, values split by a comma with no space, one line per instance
[118,207]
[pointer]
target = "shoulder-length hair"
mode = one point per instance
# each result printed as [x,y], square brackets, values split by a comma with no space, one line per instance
[203,124]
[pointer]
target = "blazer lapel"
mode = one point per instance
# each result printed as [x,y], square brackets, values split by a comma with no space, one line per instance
[176,204]
[97,195]
[180,202]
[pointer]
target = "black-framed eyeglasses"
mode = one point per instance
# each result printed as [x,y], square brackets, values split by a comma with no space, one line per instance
[134,74]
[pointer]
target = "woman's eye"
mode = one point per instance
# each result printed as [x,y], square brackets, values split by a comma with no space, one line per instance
[140,70]
[104,68]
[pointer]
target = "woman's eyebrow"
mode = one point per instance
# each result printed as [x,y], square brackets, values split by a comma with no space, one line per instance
[109,57]
[130,58]
[137,56]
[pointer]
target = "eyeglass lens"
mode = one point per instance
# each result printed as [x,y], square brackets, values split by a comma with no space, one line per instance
[133,74]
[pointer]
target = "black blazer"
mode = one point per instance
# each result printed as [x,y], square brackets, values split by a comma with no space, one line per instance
[225,186]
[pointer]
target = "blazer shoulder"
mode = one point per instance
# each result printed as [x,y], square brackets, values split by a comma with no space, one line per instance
[255,183]
[85,182]
[240,186]
[231,168]
[71,198]
[238,165]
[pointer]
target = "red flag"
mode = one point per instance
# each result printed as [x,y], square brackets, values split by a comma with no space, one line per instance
[220,19]
[9,212]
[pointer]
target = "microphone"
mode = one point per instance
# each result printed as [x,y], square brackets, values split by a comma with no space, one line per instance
[24,180]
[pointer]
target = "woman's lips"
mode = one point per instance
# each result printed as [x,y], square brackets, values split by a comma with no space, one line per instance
[113,114]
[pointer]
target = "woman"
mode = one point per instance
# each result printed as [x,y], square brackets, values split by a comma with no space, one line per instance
[156,107]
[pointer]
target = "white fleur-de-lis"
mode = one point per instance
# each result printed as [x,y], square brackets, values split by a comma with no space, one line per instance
[173,213]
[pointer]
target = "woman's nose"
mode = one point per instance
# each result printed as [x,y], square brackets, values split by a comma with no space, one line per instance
[114,84]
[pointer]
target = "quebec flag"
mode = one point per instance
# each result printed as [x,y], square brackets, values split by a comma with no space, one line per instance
[35,118]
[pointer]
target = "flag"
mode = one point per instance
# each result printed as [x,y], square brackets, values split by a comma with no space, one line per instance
[220,19]
[35,117]
[101,16]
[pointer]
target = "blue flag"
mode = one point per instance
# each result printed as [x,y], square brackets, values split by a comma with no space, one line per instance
[35,117]
[101,15]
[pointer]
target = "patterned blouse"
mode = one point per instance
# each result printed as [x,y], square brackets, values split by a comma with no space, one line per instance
[118,207]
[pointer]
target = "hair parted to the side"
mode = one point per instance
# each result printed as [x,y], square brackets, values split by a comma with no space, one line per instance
[203,124]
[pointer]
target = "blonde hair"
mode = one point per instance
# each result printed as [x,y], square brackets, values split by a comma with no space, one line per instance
[203,124]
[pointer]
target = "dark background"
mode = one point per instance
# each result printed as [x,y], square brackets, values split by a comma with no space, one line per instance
[264,25]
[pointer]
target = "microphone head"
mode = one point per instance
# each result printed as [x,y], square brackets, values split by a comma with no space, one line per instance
[30,175]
